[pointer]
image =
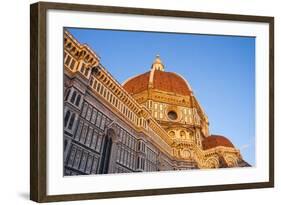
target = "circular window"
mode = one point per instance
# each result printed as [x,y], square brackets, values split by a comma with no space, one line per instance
[172,133]
[182,133]
[172,115]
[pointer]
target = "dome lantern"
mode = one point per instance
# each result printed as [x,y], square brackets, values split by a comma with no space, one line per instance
[157,64]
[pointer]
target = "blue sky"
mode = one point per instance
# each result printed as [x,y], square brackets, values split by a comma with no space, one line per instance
[220,70]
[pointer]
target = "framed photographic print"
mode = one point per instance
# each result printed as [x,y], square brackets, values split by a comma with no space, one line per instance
[134,102]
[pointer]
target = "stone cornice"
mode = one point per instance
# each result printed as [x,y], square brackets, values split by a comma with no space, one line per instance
[80,51]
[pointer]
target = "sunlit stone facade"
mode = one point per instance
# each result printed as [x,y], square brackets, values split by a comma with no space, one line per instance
[152,122]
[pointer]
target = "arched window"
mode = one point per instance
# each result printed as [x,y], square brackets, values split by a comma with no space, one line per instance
[78,100]
[66,118]
[67,61]
[71,121]
[101,90]
[138,163]
[105,157]
[64,145]
[87,71]
[73,97]
[72,64]
[67,94]
[95,84]
[82,68]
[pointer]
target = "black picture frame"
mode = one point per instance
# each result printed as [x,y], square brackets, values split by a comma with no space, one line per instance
[38,100]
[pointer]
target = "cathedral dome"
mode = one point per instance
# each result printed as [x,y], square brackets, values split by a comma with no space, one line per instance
[158,79]
[215,141]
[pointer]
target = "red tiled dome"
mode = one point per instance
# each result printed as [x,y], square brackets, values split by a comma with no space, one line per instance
[215,141]
[164,81]
[137,84]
